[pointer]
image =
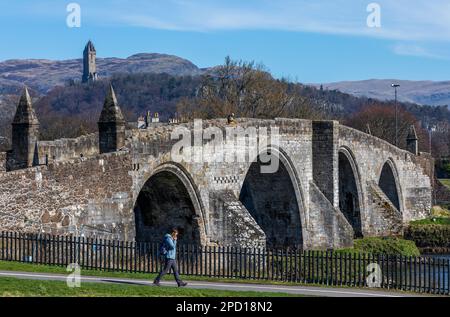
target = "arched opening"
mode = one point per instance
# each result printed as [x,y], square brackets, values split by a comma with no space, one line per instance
[389,185]
[349,203]
[271,200]
[163,203]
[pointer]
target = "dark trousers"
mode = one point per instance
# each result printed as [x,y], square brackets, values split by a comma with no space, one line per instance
[169,264]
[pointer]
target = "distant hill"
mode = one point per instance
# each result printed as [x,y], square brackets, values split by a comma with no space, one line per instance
[157,82]
[42,75]
[420,92]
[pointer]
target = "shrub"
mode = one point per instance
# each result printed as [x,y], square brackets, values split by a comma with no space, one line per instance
[429,236]
[385,246]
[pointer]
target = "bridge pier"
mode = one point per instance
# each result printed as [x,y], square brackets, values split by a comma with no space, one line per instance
[325,140]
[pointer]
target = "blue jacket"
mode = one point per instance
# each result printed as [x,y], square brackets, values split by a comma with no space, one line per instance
[171,246]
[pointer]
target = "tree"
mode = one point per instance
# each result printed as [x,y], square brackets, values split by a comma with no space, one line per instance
[381,120]
[247,90]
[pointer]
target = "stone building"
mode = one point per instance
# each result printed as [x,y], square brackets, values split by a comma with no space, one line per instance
[89,63]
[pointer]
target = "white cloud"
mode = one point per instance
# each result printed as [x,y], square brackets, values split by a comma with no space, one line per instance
[406,49]
[404,20]
[401,19]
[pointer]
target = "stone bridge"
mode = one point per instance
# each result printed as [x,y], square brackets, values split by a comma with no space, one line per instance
[332,183]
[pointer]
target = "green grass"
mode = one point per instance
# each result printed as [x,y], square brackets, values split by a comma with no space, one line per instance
[386,246]
[40,268]
[445,182]
[13,287]
[432,221]
[440,215]
[433,233]
[12,290]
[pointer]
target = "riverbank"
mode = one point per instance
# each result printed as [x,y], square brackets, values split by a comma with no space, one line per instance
[430,236]
[435,251]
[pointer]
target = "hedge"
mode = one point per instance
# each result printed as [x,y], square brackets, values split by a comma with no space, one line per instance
[384,246]
[429,236]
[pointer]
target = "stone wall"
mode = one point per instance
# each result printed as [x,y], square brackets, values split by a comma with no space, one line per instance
[441,193]
[66,149]
[3,157]
[232,224]
[328,226]
[387,220]
[82,196]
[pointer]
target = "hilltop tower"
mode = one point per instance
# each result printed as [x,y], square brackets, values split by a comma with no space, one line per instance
[89,64]
[25,134]
[111,125]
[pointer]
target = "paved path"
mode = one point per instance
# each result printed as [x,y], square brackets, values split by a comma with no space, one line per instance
[299,290]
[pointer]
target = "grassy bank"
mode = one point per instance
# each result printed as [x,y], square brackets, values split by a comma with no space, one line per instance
[429,236]
[384,246]
[432,234]
[432,221]
[20,287]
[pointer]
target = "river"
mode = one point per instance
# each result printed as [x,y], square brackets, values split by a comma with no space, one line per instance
[445,275]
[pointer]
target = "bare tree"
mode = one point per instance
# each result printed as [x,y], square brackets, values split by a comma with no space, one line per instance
[381,120]
[247,90]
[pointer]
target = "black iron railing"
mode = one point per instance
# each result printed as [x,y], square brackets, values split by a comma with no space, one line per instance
[417,274]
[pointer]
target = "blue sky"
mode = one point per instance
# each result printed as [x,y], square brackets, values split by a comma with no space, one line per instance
[306,40]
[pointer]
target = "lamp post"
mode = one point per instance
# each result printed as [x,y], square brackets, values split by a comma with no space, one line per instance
[395,86]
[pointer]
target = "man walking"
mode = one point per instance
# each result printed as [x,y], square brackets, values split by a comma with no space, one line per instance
[169,251]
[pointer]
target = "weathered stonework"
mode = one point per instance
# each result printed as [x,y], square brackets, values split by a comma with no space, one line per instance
[325,136]
[3,158]
[111,125]
[66,149]
[413,175]
[387,219]
[89,64]
[232,224]
[114,195]
[82,196]
[25,132]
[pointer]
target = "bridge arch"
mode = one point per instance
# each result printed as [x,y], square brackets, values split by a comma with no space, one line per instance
[168,198]
[389,182]
[280,210]
[350,190]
